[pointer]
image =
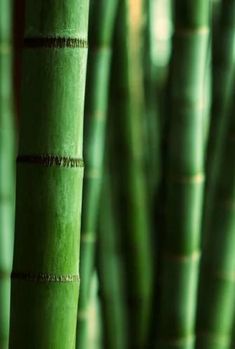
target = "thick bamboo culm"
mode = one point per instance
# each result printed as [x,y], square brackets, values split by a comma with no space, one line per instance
[130,169]
[45,277]
[102,17]
[217,285]
[7,160]
[185,176]
[223,64]
[111,271]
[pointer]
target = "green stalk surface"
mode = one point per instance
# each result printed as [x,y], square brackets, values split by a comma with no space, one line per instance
[223,65]
[217,284]
[110,272]
[102,17]
[130,170]
[7,160]
[45,277]
[185,176]
[152,107]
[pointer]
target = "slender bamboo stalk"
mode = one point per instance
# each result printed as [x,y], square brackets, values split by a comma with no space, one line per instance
[102,16]
[110,273]
[130,171]
[217,284]
[7,156]
[223,67]
[152,108]
[185,166]
[45,279]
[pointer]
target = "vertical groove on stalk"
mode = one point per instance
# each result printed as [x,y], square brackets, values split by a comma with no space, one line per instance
[184,181]
[7,154]
[45,280]
[102,17]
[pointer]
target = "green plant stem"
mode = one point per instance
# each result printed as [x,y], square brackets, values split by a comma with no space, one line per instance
[102,16]
[185,175]
[110,272]
[7,159]
[152,107]
[217,285]
[129,170]
[222,66]
[45,278]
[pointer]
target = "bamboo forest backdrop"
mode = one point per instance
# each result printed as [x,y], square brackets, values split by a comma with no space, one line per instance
[117,174]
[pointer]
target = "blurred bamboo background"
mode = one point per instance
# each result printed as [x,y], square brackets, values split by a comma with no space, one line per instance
[142,254]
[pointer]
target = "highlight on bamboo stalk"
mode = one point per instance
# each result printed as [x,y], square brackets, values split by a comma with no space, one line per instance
[45,278]
[7,156]
[185,175]
[102,17]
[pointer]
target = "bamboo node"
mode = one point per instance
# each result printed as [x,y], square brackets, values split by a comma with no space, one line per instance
[5,48]
[83,314]
[194,256]
[4,274]
[179,340]
[216,337]
[189,179]
[50,160]
[203,30]
[88,237]
[44,277]
[92,174]
[55,42]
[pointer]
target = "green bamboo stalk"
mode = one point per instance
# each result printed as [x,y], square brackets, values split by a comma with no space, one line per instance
[45,279]
[110,273]
[102,16]
[185,174]
[152,107]
[129,170]
[223,66]
[217,284]
[7,160]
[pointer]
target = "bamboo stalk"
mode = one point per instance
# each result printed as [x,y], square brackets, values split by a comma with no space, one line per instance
[223,67]
[217,283]
[45,279]
[102,16]
[152,107]
[6,168]
[110,272]
[129,170]
[185,167]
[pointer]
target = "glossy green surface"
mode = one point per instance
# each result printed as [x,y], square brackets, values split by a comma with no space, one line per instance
[45,281]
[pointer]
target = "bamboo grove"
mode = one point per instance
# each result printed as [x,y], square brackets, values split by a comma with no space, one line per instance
[117,174]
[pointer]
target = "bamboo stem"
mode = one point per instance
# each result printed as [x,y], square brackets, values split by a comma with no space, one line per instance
[110,273]
[223,68]
[129,170]
[185,167]
[7,154]
[217,279]
[102,16]
[45,278]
